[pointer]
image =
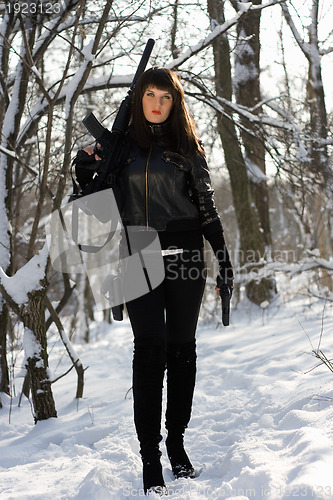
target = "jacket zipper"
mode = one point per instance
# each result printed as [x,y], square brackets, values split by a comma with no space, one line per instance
[147,166]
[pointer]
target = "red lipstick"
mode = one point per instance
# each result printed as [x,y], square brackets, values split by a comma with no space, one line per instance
[156,112]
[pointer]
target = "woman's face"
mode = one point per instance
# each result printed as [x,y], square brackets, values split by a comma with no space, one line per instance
[156,104]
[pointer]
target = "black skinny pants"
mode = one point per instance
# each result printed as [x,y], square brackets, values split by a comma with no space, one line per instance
[171,310]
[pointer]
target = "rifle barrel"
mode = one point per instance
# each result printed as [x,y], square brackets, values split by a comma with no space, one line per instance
[121,121]
[144,60]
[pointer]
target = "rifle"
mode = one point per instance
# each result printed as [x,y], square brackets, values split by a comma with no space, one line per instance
[112,142]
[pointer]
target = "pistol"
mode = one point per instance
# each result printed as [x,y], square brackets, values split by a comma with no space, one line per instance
[225,295]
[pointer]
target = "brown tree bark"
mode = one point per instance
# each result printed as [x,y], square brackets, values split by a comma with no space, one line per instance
[32,314]
[37,364]
[247,85]
[21,83]
[4,374]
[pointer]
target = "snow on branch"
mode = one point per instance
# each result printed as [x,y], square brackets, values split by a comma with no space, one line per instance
[40,108]
[8,152]
[262,269]
[254,171]
[304,46]
[53,28]
[76,363]
[206,42]
[220,104]
[72,86]
[243,8]
[26,279]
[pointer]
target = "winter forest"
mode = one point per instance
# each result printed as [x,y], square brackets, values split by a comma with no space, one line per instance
[257,79]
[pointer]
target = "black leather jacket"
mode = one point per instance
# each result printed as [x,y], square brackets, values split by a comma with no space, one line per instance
[166,191]
[163,190]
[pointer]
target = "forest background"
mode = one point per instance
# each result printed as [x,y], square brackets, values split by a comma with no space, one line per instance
[256,76]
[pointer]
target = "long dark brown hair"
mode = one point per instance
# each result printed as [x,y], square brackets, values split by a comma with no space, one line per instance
[181,129]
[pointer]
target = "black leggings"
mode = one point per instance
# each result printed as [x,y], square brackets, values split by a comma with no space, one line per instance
[171,310]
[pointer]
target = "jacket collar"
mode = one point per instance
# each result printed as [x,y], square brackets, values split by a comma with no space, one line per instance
[159,129]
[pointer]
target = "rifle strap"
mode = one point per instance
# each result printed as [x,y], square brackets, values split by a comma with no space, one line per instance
[75,232]
[76,187]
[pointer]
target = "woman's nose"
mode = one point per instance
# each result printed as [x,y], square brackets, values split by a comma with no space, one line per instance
[158,102]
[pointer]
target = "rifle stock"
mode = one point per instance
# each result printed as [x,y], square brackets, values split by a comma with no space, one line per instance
[95,127]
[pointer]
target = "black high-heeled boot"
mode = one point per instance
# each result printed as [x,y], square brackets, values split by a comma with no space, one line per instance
[181,369]
[148,373]
[180,463]
[153,480]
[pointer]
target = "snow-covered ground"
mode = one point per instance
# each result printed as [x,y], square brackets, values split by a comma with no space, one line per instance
[262,428]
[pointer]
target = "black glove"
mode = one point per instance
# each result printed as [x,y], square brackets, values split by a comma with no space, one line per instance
[85,167]
[227,283]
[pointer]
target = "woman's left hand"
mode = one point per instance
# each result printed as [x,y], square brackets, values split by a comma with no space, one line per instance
[90,150]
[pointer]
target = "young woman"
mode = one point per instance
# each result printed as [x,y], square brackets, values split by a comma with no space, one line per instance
[165,185]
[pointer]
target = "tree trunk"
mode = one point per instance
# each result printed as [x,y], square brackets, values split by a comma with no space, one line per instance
[4,374]
[36,357]
[10,116]
[318,164]
[247,85]
[319,156]
[252,243]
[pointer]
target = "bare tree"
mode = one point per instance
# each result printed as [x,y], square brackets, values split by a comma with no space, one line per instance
[38,119]
[32,311]
[252,242]
[248,95]
[317,162]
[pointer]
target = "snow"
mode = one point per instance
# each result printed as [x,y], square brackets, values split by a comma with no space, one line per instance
[8,152]
[254,171]
[27,278]
[216,31]
[243,50]
[261,425]
[71,88]
[32,348]
[7,129]
[13,106]
[67,92]
[69,348]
